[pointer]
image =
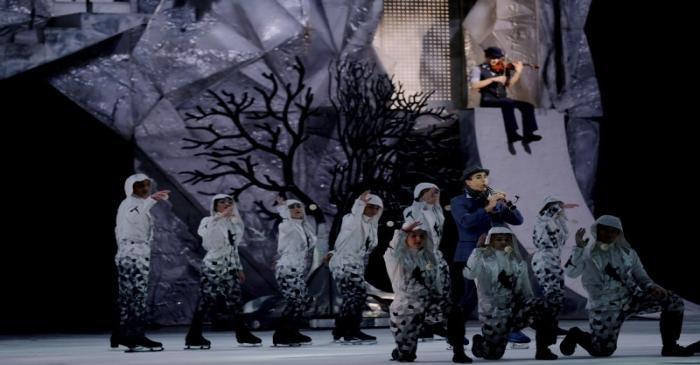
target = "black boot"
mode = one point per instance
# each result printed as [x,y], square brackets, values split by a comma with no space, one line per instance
[352,328]
[478,346]
[114,340]
[301,338]
[455,338]
[670,327]
[676,350]
[194,336]
[455,329]
[146,342]
[245,337]
[365,338]
[458,355]
[196,340]
[283,335]
[544,353]
[531,137]
[243,334]
[401,356]
[584,339]
[128,341]
[339,329]
[568,344]
[119,338]
[694,347]
[298,336]
[118,331]
[545,335]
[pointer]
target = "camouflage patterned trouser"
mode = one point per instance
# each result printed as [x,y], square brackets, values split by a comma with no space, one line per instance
[292,285]
[496,328]
[605,324]
[440,302]
[133,266]
[546,265]
[220,287]
[406,320]
[352,289]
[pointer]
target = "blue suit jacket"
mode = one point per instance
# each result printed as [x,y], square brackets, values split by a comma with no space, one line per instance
[472,221]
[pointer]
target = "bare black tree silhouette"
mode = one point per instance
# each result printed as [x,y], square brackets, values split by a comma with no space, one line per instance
[376,130]
[277,135]
[382,150]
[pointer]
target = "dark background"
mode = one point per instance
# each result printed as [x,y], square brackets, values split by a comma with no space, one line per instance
[64,176]
[648,149]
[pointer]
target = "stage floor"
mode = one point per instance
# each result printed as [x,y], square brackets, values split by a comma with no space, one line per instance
[639,344]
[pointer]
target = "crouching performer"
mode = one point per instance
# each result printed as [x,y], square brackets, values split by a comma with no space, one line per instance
[506,301]
[412,268]
[618,287]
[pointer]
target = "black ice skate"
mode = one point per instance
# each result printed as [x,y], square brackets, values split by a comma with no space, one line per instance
[144,344]
[116,340]
[283,337]
[245,338]
[365,339]
[301,338]
[478,346]
[196,342]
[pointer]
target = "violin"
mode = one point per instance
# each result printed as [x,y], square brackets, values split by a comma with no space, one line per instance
[501,66]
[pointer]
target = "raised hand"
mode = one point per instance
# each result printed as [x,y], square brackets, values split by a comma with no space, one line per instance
[227,212]
[365,196]
[411,226]
[493,199]
[580,242]
[482,240]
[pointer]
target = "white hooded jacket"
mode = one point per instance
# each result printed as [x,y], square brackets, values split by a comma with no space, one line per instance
[134,220]
[485,266]
[550,231]
[431,216]
[296,241]
[217,231]
[590,262]
[357,237]
[401,265]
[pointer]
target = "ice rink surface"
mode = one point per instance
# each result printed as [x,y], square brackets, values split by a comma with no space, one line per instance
[639,344]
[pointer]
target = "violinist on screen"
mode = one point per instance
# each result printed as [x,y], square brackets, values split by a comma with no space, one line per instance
[491,79]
